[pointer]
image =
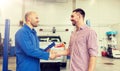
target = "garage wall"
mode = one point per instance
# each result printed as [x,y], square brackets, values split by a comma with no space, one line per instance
[101,13]
[51,13]
[10,9]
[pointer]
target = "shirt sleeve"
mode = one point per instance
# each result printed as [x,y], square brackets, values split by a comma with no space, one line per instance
[92,43]
[23,40]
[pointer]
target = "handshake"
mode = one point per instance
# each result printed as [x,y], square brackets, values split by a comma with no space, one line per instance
[54,54]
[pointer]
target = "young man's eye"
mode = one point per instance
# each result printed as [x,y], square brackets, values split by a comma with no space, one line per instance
[36,17]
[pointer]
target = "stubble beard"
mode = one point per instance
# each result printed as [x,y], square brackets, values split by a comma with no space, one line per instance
[73,23]
[35,24]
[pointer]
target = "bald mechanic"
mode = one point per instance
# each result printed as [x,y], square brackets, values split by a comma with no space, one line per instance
[28,53]
[83,48]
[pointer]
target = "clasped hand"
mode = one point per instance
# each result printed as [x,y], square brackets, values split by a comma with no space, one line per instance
[53,54]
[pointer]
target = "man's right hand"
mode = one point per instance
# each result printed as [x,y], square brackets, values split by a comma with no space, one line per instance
[52,54]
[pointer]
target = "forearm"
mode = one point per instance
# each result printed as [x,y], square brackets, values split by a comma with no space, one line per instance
[54,54]
[92,63]
[63,53]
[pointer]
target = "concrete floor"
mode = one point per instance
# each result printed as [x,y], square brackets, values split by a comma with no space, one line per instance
[103,64]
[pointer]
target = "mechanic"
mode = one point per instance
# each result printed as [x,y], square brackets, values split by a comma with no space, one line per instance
[28,52]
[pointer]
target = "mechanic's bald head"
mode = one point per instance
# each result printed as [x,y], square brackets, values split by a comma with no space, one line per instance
[29,14]
[31,18]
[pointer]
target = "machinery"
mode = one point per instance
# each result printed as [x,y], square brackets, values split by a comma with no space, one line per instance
[112,50]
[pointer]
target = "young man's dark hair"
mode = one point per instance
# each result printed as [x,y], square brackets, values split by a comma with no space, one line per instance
[81,11]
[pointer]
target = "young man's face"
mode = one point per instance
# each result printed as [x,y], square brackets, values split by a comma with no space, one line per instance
[75,17]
